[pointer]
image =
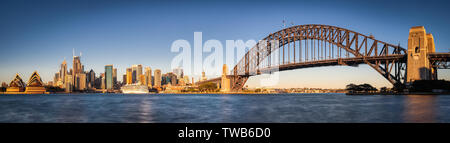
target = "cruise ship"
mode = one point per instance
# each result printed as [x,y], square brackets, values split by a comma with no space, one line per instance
[134,89]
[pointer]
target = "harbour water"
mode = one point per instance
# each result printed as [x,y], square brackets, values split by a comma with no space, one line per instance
[217,108]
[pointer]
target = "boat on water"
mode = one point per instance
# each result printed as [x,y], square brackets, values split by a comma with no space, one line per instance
[134,89]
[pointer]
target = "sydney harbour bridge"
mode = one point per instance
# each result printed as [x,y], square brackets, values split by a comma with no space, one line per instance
[314,45]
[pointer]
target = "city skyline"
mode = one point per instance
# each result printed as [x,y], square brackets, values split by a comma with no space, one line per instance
[104,34]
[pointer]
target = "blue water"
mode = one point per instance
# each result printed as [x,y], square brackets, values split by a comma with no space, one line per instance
[164,108]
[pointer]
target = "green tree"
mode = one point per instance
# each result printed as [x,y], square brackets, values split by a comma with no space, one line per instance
[367,87]
[351,87]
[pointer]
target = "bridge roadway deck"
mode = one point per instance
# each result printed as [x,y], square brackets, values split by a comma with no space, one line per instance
[316,63]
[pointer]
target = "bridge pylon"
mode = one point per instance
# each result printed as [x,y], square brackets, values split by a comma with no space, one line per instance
[420,44]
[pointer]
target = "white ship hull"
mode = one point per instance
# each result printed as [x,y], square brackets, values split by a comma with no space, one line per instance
[134,89]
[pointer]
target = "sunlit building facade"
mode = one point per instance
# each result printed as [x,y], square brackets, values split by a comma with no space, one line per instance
[157,83]
[109,81]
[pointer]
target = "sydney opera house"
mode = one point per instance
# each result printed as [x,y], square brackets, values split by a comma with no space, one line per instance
[34,85]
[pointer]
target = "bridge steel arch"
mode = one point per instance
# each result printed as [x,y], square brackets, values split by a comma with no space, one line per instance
[316,45]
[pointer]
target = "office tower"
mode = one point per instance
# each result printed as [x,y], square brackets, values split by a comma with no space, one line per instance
[98,82]
[68,83]
[157,78]
[124,79]
[102,79]
[63,71]
[80,80]
[148,76]
[141,78]
[109,76]
[114,76]
[179,72]
[77,67]
[137,72]
[129,76]
[91,78]
[134,76]
[55,79]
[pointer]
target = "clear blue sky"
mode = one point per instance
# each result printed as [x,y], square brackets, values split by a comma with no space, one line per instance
[39,34]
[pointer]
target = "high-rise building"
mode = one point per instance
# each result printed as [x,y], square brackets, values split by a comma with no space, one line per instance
[134,69]
[56,79]
[129,76]
[77,67]
[142,78]
[91,79]
[157,78]
[114,76]
[102,79]
[124,79]
[109,76]
[80,79]
[139,72]
[179,72]
[63,71]
[148,76]
[68,83]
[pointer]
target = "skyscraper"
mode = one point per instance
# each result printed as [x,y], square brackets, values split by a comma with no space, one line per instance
[91,78]
[56,79]
[68,83]
[157,78]
[114,76]
[148,76]
[109,76]
[142,80]
[77,67]
[134,76]
[124,79]
[179,72]
[81,81]
[63,71]
[129,76]
[139,72]
[102,79]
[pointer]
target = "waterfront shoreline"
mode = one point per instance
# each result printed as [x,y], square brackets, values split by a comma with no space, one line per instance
[243,93]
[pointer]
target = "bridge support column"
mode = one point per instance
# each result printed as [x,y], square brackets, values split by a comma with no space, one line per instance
[225,81]
[418,65]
